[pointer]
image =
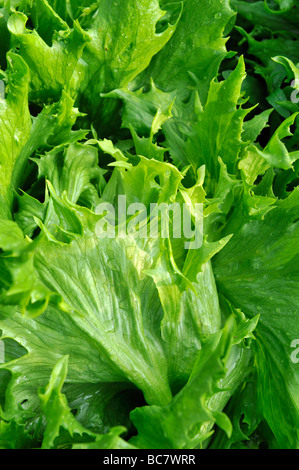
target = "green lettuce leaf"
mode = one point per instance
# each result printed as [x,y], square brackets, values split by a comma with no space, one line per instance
[53,67]
[190,136]
[58,415]
[258,272]
[117,118]
[196,48]
[19,283]
[187,421]
[15,132]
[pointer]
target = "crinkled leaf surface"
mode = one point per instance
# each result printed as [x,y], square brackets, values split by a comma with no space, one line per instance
[143,339]
[258,272]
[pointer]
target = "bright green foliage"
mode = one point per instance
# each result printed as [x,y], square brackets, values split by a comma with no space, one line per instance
[134,340]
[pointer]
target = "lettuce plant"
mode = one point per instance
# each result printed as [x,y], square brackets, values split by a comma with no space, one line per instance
[149,342]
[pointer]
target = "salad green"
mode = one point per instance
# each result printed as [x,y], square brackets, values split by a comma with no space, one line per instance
[149,342]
